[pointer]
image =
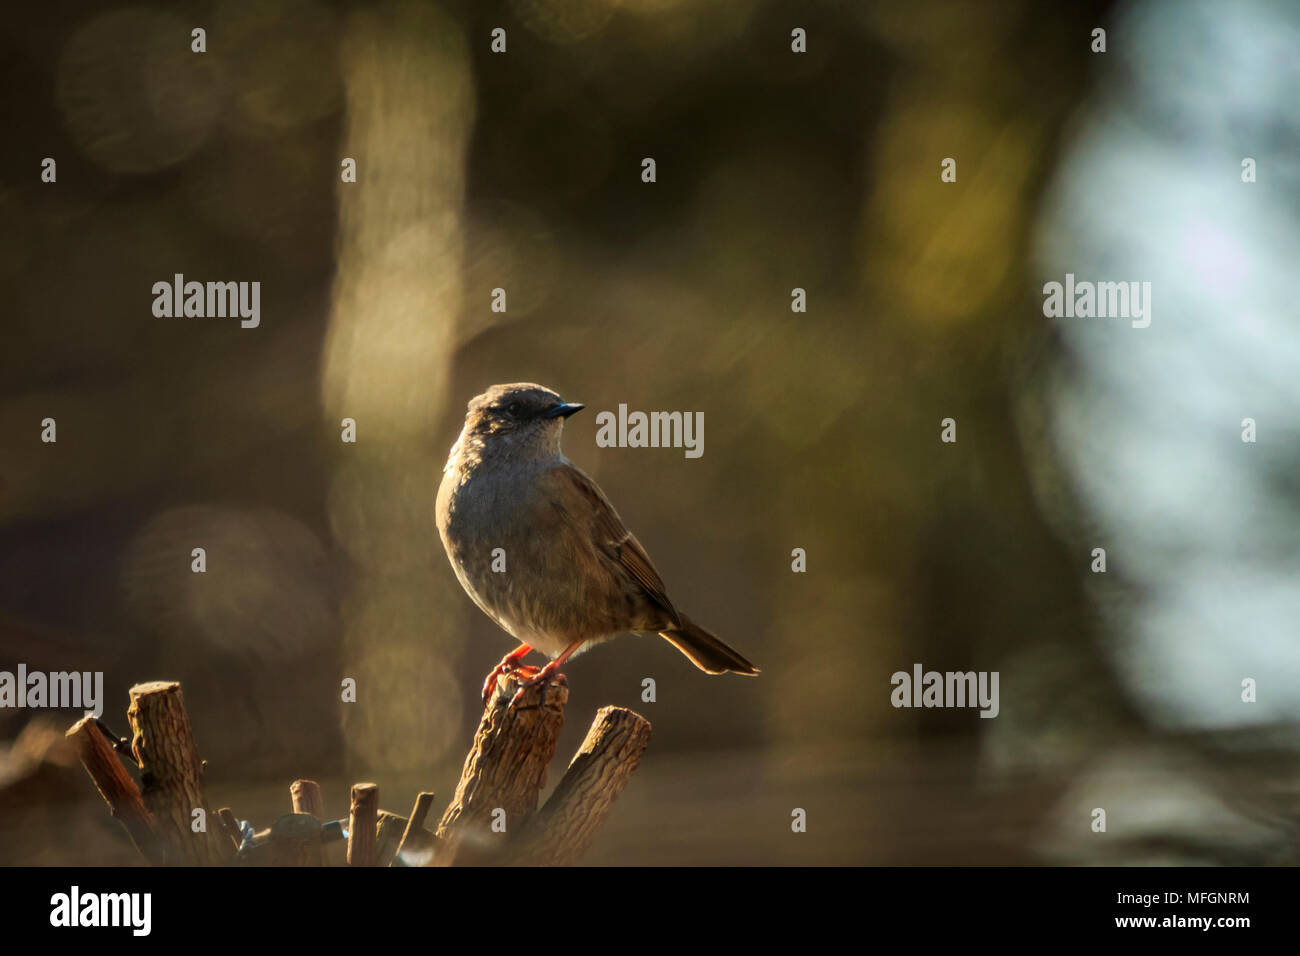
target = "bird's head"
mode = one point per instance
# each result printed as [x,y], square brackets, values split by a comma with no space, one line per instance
[521,416]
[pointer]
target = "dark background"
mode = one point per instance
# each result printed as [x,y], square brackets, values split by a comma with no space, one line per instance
[775,170]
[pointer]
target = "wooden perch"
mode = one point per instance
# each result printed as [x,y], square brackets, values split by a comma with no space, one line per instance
[388,834]
[564,829]
[505,770]
[116,786]
[362,825]
[414,826]
[292,840]
[163,745]
[493,817]
[295,841]
[231,825]
[305,797]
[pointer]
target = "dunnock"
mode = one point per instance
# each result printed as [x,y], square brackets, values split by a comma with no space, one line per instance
[573,575]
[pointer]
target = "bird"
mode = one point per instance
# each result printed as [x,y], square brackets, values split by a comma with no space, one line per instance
[538,547]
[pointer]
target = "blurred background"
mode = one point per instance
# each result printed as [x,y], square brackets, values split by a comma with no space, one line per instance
[775,170]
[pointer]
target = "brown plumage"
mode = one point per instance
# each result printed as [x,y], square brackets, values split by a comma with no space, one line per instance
[574,575]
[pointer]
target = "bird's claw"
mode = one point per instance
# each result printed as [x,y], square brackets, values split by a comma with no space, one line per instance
[539,677]
[490,682]
[523,671]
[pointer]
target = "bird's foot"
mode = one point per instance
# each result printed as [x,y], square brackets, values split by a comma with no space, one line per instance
[509,665]
[538,677]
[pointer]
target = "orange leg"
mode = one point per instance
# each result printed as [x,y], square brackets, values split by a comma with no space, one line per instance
[548,672]
[507,663]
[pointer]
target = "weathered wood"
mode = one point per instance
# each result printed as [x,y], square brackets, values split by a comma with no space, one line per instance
[295,841]
[231,825]
[504,771]
[388,834]
[162,743]
[563,830]
[493,817]
[362,825]
[417,850]
[116,786]
[305,797]
[414,825]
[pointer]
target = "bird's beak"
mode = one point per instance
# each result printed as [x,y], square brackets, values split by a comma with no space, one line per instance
[563,410]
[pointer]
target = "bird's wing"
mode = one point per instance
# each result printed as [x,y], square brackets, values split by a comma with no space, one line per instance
[584,503]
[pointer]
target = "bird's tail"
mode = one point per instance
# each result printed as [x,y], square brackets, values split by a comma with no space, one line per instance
[706,651]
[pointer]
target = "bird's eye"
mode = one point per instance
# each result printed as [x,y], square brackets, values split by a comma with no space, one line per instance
[513,408]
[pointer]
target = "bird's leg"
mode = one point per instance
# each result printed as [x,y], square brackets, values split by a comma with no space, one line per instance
[548,672]
[507,664]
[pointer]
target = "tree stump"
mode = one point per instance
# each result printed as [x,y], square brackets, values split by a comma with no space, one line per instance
[504,772]
[171,772]
[564,829]
[415,831]
[116,787]
[363,820]
[493,817]
[305,797]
